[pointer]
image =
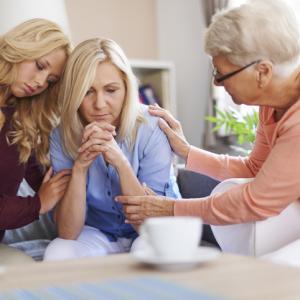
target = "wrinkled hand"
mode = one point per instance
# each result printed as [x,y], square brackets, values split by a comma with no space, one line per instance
[173,130]
[139,208]
[95,136]
[53,189]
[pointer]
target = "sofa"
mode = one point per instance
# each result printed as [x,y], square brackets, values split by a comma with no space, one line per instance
[34,238]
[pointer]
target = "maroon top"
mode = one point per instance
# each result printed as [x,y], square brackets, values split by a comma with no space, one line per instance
[16,211]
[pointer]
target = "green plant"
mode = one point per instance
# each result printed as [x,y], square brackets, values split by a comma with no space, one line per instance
[243,126]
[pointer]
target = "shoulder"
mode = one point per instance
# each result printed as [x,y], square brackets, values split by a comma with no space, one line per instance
[149,134]
[55,134]
[55,138]
[290,122]
[150,122]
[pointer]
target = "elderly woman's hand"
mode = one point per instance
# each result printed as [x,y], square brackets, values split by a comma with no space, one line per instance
[138,208]
[173,130]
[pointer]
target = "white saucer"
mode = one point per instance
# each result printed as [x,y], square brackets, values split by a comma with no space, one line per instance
[203,254]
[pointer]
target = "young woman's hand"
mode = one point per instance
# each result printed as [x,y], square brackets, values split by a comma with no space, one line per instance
[173,130]
[53,189]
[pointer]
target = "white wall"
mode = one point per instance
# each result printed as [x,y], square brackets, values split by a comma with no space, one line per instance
[180,29]
[13,12]
[131,23]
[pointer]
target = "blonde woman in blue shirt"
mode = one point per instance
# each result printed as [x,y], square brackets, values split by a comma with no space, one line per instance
[112,145]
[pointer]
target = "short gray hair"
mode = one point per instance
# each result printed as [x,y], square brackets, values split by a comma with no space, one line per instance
[259,29]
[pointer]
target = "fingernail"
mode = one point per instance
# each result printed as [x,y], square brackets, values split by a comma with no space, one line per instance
[126,221]
[116,199]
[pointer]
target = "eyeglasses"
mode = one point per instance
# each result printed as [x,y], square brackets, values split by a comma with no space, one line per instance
[221,78]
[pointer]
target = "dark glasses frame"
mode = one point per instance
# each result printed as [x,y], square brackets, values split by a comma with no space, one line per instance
[228,75]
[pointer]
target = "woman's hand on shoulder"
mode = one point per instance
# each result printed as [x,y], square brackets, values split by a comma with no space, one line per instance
[173,130]
[53,189]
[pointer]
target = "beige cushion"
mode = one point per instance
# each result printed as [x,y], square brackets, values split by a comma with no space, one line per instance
[12,256]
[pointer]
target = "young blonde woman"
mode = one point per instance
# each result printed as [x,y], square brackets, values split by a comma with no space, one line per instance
[112,145]
[32,59]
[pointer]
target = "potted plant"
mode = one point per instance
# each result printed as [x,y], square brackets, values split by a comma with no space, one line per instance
[242,126]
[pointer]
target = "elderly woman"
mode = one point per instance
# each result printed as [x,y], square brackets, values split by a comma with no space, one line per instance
[255,51]
[111,143]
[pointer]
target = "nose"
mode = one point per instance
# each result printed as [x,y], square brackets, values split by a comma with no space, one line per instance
[41,79]
[100,101]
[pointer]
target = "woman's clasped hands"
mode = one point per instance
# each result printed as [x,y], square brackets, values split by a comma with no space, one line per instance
[99,139]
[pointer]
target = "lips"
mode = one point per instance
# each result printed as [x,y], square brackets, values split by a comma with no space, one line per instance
[103,117]
[29,90]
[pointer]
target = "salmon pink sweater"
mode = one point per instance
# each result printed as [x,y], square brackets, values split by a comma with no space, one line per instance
[274,163]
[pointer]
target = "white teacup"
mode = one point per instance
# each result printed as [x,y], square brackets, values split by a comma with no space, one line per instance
[172,238]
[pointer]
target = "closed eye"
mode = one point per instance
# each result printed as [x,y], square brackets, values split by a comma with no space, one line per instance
[39,65]
[52,80]
[111,90]
[89,92]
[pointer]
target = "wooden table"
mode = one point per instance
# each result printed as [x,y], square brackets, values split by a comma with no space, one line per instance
[229,276]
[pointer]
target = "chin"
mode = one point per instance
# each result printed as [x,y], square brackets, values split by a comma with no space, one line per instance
[237,101]
[19,95]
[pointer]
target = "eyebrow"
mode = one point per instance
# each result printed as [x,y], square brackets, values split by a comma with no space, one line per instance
[112,83]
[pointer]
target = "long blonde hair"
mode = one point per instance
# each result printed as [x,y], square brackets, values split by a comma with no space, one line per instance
[78,77]
[34,117]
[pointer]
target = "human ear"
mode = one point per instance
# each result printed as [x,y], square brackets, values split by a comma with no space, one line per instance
[264,73]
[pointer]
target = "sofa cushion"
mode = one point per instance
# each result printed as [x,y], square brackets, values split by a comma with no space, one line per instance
[196,185]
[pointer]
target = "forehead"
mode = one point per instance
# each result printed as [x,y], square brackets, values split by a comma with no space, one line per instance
[55,61]
[107,72]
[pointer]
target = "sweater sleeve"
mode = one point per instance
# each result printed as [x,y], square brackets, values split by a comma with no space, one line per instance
[18,211]
[274,187]
[34,173]
[221,167]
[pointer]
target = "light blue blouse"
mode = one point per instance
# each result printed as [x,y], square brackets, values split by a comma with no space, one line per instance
[150,158]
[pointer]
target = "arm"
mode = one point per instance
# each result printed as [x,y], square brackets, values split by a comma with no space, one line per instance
[217,166]
[71,211]
[34,173]
[113,155]
[154,169]
[17,211]
[128,181]
[275,186]
[222,167]
[156,159]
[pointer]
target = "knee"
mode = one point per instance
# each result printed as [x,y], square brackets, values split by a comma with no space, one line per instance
[61,249]
[229,183]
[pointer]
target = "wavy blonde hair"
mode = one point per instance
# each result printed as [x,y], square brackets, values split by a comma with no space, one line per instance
[34,117]
[78,77]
